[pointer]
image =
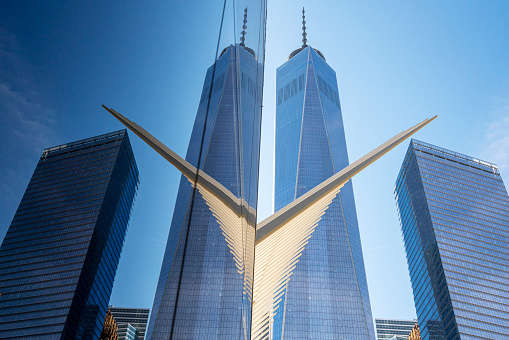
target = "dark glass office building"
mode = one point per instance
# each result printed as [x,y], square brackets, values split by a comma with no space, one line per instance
[136,317]
[327,295]
[454,212]
[59,257]
[204,289]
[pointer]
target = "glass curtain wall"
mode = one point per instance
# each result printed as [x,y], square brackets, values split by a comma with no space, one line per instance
[327,295]
[205,285]
[61,252]
[454,212]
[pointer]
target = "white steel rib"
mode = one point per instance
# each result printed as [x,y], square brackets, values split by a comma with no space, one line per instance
[234,216]
[194,175]
[280,238]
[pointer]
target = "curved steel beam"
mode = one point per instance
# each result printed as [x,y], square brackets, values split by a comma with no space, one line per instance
[272,223]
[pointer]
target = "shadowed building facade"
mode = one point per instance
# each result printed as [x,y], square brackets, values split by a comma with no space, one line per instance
[59,257]
[327,296]
[454,212]
[205,285]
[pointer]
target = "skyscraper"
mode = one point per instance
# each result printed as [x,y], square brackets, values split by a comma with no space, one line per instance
[205,285]
[213,285]
[281,238]
[136,317]
[59,257]
[393,329]
[454,212]
[327,297]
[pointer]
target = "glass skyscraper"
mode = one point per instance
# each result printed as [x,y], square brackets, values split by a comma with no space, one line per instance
[59,257]
[136,317]
[388,329]
[205,286]
[327,295]
[454,212]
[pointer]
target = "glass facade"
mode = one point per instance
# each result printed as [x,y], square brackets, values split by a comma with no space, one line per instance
[327,295]
[204,289]
[131,333]
[454,212]
[59,257]
[135,317]
[394,329]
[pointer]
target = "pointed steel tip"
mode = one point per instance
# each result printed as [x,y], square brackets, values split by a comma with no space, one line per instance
[113,113]
[109,109]
[429,120]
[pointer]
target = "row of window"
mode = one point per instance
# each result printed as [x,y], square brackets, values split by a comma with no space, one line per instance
[328,91]
[290,89]
[218,83]
[248,84]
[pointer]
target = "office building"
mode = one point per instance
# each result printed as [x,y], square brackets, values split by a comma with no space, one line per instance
[133,317]
[454,212]
[110,329]
[206,288]
[393,329]
[205,284]
[59,256]
[327,295]
[415,334]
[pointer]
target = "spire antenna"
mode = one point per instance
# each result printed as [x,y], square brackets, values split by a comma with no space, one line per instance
[243,37]
[304,34]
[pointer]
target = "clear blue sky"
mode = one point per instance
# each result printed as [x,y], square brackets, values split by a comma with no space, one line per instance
[396,62]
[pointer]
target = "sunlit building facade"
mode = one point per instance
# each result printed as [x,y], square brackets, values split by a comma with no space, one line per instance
[454,212]
[327,295]
[59,257]
[415,334]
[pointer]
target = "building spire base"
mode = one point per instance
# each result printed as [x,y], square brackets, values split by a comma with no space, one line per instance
[304,34]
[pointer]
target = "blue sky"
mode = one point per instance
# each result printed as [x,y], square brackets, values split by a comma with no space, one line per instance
[396,63]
